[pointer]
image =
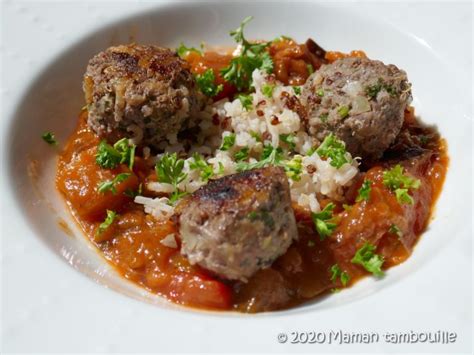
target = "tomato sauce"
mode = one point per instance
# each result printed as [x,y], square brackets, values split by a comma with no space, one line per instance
[133,242]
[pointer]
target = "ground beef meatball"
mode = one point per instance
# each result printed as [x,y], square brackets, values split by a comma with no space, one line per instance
[238,224]
[141,92]
[361,100]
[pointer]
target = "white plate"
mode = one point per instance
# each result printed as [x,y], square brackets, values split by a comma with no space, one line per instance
[48,306]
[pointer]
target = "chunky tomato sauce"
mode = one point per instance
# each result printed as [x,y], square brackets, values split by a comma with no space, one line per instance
[132,244]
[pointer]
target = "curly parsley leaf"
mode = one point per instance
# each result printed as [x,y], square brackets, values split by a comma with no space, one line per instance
[336,273]
[334,149]
[108,157]
[111,185]
[297,90]
[343,111]
[246,101]
[323,221]
[373,90]
[270,156]
[169,169]
[198,163]
[253,56]
[242,154]
[395,230]
[228,142]
[289,139]
[183,51]
[400,183]
[207,85]
[364,191]
[267,90]
[294,168]
[371,262]
[49,138]
[111,215]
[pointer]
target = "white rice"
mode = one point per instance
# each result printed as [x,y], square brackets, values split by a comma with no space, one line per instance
[318,177]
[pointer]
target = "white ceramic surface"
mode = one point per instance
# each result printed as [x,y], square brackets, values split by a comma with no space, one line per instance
[48,306]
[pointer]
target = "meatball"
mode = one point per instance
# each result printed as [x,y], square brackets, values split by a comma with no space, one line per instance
[361,101]
[238,224]
[141,92]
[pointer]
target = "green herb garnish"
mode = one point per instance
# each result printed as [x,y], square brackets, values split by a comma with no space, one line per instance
[246,101]
[169,170]
[49,138]
[364,191]
[372,90]
[253,56]
[110,185]
[228,142]
[322,221]
[343,111]
[334,149]
[289,139]
[206,82]
[336,273]
[111,215]
[395,230]
[183,51]
[267,90]
[400,183]
[297,90]
[242,154]
[108,157]
[294,168]
[366,257]
[207,171]
[270,156]
[255,136]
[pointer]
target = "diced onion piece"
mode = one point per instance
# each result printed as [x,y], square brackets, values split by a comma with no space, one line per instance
[169,241]
[360,105]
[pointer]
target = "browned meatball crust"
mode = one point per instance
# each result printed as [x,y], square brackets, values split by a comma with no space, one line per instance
[362,101]
[238,224]
[139,91]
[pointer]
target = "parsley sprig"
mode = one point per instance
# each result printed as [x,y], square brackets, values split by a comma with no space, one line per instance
[334,149]
[49,138]
[111,185]
[323,221]
[364,191]
[270,156]
[227,142]
[242,154]
[109,219]
[289,139]
[373,90]
[400,183]
[246,101]
[371,262]
[169,170]
[184,51]
[253,56]
[207,170]
[336,273]
[108,156]
[294,168]
[207,85]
